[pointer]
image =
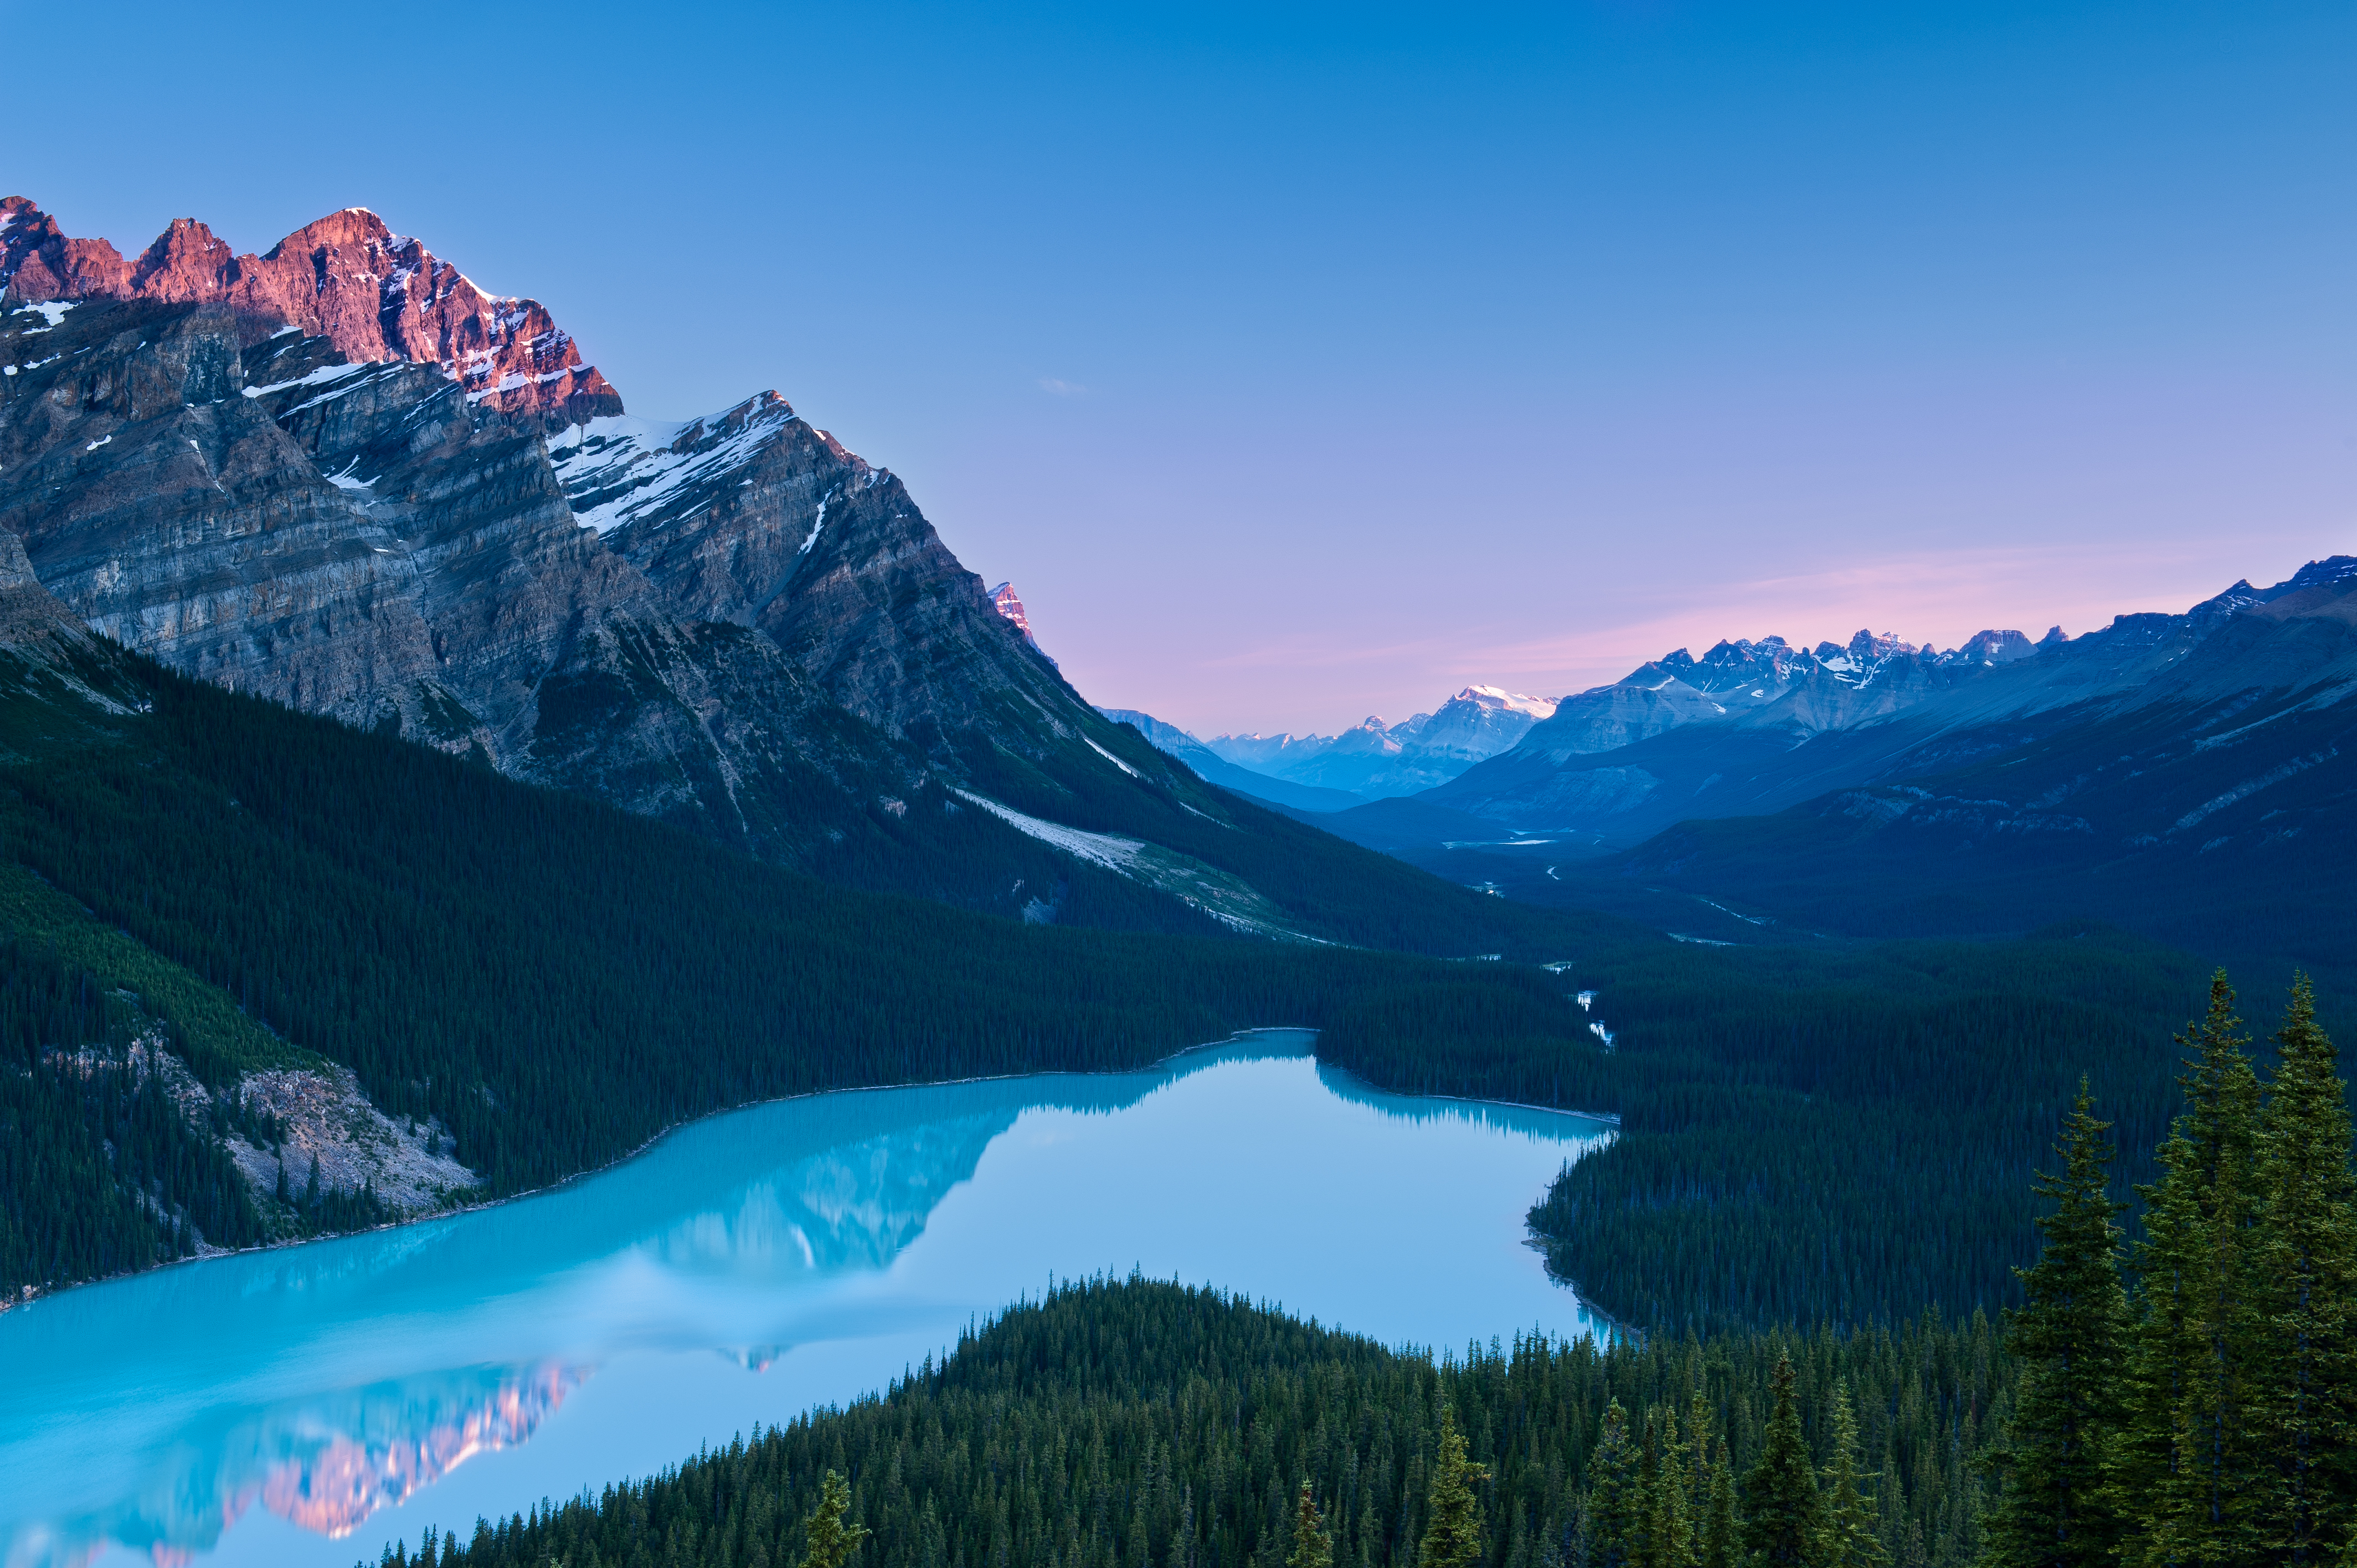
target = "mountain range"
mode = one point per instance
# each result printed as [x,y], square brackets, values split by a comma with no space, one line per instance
[1372,761]
[1764,791]
[340,476]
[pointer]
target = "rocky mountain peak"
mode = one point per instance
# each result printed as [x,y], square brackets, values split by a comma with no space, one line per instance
[1497,699]
[347,277]
[1008,603]
[1864,650]
[2331,571]
[2324,579]
[1997,647]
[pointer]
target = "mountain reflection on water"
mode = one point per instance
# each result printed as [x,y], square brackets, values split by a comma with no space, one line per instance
[325,1384]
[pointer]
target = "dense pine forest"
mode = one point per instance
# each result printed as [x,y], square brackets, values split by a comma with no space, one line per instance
[2184,1401]
[1146,1426]
[1806,1137]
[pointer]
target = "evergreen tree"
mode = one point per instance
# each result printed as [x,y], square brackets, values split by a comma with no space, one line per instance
[831,1541]
[1668,1518]
[2191,1470]
[1783,1514]
[2311,1262]
[1721,1543]
[2070,1338]
[1452,1531]
[1615,1495]
[1850,1540]
[1312,1546]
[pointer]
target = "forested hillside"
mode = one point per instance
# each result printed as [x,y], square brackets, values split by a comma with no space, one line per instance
[1806,1136]
[1150,1425]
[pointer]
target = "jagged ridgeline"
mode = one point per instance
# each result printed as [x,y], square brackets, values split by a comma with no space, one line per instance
[1152,1424]
[340,476]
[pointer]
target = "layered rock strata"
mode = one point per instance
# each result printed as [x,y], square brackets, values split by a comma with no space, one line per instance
[298,474]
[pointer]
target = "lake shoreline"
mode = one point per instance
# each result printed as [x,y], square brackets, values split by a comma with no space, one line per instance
[209,1254]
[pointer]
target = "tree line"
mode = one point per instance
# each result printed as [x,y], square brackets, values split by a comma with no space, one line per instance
[1806,1135]
[2190,1399]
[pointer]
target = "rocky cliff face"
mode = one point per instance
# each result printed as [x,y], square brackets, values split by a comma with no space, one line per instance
[339,476]
[367,541]
[755,518]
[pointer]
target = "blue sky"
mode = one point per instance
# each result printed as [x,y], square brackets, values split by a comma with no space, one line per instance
[1304,362]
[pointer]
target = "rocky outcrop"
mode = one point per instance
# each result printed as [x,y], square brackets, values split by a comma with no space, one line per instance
[373,295]
[326,1124]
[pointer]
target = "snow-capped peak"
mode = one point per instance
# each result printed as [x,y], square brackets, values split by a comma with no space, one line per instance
[1498,698]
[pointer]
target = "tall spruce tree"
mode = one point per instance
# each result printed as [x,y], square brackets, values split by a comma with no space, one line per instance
[1783,1514]
[1452,1530]
[1699,1423]
[1722,1542]
[2070,1339]
[1616,1497]
[1312,1546]
[1850,1539]
[2311,1262]
[1668,1518]
[2192,1471]
[828,1542]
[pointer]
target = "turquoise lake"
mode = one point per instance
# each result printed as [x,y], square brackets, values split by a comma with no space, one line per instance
[309,1406]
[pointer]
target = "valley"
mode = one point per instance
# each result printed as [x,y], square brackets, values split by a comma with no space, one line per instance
[541,945]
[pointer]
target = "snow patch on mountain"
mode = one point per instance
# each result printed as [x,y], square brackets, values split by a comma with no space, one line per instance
[1099,849]
[619,470]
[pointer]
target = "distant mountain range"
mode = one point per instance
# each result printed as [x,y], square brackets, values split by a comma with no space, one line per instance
[2193,776]
[1372,761]
[1756,726]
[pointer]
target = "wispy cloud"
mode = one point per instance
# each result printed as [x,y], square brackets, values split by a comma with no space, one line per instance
[1055,388]
[1939,597]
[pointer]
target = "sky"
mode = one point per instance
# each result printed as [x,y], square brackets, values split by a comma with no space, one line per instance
[1304,362]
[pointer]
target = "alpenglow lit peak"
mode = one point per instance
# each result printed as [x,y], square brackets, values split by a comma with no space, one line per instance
[1010,605]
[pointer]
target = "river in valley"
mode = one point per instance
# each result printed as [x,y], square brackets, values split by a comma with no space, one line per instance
[304,1407]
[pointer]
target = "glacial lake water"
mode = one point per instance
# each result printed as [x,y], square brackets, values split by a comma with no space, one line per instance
[305,1407]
